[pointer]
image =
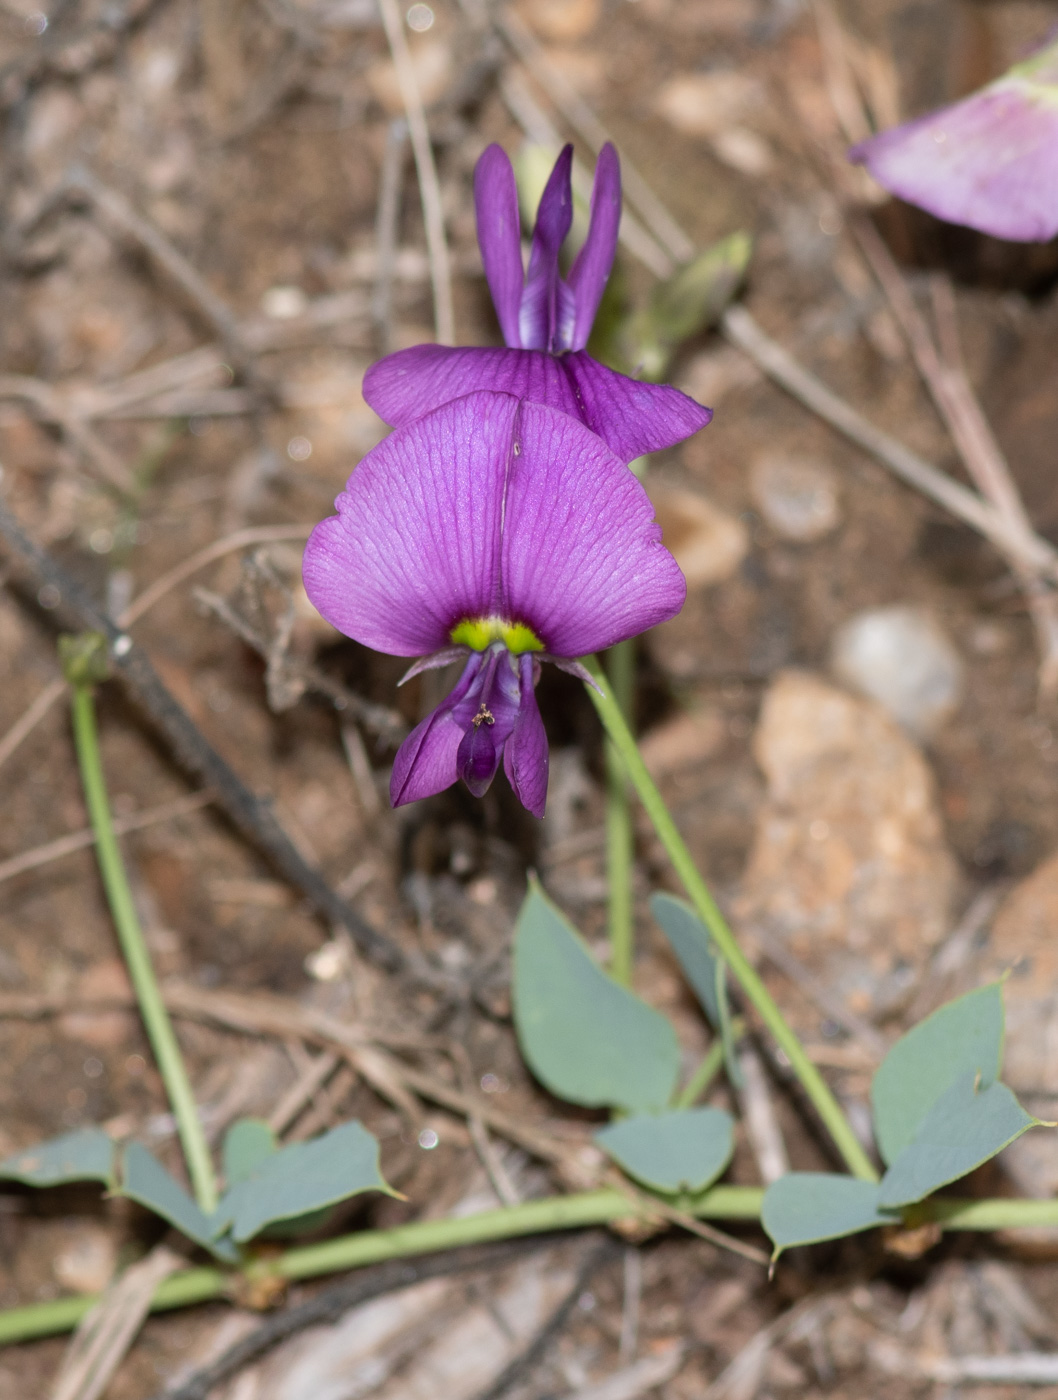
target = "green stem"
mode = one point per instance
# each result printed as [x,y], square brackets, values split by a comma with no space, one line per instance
[826,1105]
[376,1246]
[711,1065]
[130,935]
[533,1217]
[621,663]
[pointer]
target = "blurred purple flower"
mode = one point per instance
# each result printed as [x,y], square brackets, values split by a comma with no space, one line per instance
[504,533]
[546,321]
[989,161]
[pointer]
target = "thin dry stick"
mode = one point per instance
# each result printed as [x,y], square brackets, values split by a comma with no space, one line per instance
[22,728]
[742,330]
[429,186]
[116,208]
[55,690]
[105,1334]
[386,226]
[759,1117]
[79,840]
[591,130]
[302,1092]
[506,1191]
[944,375]
[51,407]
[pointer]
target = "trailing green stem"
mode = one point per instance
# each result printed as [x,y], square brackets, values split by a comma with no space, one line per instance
[826,1105]
[137,958]
[533,1217]
[621,662]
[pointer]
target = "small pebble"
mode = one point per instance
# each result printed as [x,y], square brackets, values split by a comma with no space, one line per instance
[797,497]
[902,658]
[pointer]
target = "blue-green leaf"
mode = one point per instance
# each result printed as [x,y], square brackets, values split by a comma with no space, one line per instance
[963,1037]
[804,1207]
[683,1150]
[704,970]
[303,1177]
[965,1127]
[246,1145]
[145,1180]
[585,1038]
[86,1155]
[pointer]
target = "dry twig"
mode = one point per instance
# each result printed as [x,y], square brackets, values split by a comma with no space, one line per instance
[429,186]
[254,818]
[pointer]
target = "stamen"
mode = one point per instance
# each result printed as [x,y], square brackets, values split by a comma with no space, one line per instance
[483,716]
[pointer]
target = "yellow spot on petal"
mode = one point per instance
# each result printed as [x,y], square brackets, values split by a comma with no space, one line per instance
[479,633]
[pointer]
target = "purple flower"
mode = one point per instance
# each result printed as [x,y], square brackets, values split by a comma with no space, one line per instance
[989,161]
[546,321]
[504,533]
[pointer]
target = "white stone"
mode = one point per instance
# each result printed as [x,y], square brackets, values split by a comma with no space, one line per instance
[901,657]
[796,496]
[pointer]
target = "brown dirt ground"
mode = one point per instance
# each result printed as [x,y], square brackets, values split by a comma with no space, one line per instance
[252,135]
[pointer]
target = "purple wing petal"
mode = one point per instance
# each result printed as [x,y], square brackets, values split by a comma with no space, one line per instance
[630,416]
[525,759]
[990,161]
[546,300]
[587,276]
[411,382]
[415,545]
[426,761]
[499,237]
[582,560]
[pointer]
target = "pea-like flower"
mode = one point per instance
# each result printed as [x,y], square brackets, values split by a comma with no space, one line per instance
[989,161]
[545,319]
[505,534]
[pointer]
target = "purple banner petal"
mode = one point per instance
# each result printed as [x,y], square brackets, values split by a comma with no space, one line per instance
[499,237]
[582,560]
[630,416]
[990,161]
[415,544]
[589,273]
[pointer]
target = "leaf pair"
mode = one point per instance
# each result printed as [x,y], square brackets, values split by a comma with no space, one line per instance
[939,1112]
[267,1185]
[592,1042]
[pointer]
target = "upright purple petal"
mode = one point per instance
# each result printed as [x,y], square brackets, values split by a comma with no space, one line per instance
[415,544]
[499,237]
[525,759]
[546,300]
[582,560]
[630,416]
[989,161]
[426,761]
[589,273]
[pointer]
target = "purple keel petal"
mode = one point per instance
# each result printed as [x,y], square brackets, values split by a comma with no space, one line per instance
[546,300]
[582,560]
[426,761]
[630,416]
[588,275]
[415,545]
[525,759]
[499,237]
[487,715]
[990,161]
